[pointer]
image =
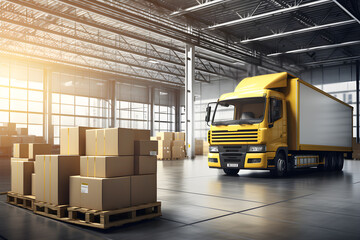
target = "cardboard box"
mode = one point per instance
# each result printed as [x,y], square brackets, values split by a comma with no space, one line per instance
[164,149]
[10,126]
[178,143]
[39,139]
[106,166]
[179,136]
[52,174]
[33,185]
[145,148]
[21,171]
[27,139]
[141,135]
[39,149]
[22,131]
[73,140]
[5,141]
[177,152]
[20,150]
[100,193]
[145,165]
[110,142]
[143,189]
[198,147]
[165,136]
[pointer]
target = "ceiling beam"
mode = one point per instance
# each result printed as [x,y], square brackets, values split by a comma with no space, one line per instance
[268,14]
[299,31]
[317,48]
[198,7]
[334,60]
[346,10]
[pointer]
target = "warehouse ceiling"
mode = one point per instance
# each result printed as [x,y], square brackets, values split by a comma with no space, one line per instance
[145,40]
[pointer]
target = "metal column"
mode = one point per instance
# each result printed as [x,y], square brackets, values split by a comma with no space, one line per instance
[113,103]
[152,114]
[189,99]
[357,102]
[49,135]
[177,112]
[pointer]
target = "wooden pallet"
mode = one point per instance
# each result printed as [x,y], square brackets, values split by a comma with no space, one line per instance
[50,210]
[113,218]
[24,201]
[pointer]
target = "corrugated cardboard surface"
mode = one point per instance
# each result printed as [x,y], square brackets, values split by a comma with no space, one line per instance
[100,193]
[110,142]
[106,166]
[22,131]
[39,149]
[145,165]
[178,152]
[165,135]
[143,189]
[178,143]
[141,135]
[198,147]
[20,150]
[21,176]
[52,177]
[145,148]
[73,140]
[179,136]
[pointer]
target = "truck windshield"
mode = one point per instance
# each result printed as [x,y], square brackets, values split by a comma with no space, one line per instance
[239,111]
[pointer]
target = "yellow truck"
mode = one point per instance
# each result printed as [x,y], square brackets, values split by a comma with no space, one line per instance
[278,122]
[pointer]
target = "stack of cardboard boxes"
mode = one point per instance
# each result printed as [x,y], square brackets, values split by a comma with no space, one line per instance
[9,135]
[52,172]
[118,171]
[171,145]
[22,166]
[201,147]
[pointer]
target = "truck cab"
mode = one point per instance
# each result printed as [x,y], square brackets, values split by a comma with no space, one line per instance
[250,127]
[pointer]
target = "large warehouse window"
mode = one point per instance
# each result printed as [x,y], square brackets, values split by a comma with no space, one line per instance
[21,95]
[164,111]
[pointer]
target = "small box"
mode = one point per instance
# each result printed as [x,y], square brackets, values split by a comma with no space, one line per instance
[165,135]
[110,142]
[145,148]
[22,131]
[106,166]
[198,147]
[100,193]
[39,149]
[21,150]
[143,189]
[73,140]
[21,171]
[33,185]
[155,138]
[141,135]
[179,136]
[52,174]
[145,165]
[164,149]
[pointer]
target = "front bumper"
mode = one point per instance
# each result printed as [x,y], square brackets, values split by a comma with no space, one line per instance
[243,160]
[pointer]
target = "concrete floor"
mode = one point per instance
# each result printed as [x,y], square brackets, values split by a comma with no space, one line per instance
[203,203]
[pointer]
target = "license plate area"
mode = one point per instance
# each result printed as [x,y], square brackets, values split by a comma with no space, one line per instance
[232,165]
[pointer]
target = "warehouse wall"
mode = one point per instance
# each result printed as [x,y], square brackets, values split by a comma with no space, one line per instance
[338,81]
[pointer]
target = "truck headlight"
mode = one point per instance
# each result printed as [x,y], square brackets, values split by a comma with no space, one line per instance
[213,149]
[257,148]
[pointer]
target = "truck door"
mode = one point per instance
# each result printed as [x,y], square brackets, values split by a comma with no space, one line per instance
[276,124]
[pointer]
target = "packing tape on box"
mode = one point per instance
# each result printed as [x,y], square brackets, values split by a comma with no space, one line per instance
[68,142]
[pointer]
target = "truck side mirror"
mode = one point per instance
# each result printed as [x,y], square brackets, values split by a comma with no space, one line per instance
[208,112]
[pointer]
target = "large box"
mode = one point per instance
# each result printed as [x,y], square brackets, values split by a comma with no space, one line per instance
[73,140]
[145,165]
[198,147]
[178,143]
[179,136]
[52,174]
[165,135]
[164,149]
[33,185]
[22,131]
[106,166]
[21,171]
[110,142]
[39,139]
[100,193]
[39,149]
[27,139]
[145,148]
[5,141]
[143,189]
[141,135]
[20,150]
[177,152]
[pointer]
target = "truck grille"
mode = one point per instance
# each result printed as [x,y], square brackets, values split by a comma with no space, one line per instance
[239,136]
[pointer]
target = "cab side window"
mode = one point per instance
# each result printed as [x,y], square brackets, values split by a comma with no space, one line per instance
[275,110]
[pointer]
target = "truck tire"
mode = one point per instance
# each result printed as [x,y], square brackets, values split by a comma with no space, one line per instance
[340,162]
[328,162]
[322,158]
[280,166]
[230,171]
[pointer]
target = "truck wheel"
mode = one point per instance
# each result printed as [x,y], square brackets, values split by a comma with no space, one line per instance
[340,162]
[281,166]
[328,162]
[321,167]
[231,172]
